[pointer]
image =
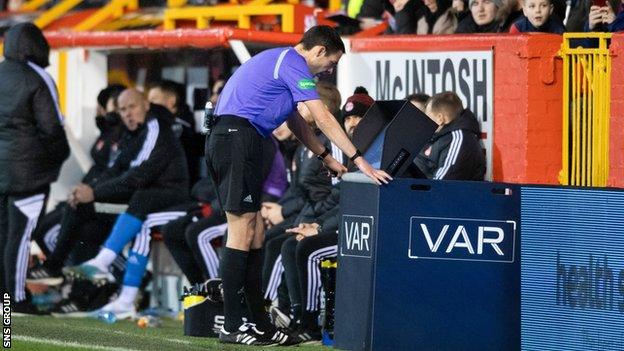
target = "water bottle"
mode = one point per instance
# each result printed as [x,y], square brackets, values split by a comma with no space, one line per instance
[208,118]
[149,322]
[107,317]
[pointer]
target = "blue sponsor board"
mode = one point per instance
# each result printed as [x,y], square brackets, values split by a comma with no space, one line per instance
[462,239]
[572,269]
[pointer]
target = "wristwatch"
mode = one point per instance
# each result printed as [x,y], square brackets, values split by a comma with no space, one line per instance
[357,154]
[323,154]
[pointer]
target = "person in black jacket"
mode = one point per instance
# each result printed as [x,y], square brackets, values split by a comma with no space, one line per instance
[104,151]
[171,95]
[33,147]
[151,173]
[454,151]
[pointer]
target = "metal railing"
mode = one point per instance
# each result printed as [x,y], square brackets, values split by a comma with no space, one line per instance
[586,109]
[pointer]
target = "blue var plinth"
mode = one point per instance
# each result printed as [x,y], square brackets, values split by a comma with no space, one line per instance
[428,265]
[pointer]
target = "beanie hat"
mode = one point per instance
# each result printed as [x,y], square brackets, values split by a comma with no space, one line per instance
[358,103]
[498,3]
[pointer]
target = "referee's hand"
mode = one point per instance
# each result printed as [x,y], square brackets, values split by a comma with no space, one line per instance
[335,168]
[377,175]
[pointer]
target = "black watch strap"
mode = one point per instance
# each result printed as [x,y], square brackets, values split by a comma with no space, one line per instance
[323,154]
[357,154]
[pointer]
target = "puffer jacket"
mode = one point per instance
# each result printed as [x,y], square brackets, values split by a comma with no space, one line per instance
[33,144]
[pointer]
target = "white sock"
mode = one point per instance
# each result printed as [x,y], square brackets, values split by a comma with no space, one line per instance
[128,294]
[103,259]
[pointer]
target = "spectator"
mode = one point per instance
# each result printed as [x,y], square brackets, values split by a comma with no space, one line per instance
[482,17]
[418,100]
[436,17]
[608,18]
[150,175]
[373,12]
[355,108]
[537,18]
[171,95]
[33,147]
[454,151]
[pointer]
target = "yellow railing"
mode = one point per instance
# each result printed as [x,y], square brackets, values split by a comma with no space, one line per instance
[202,15]
[113,10]
[32,5]
[586,111]
[55,12]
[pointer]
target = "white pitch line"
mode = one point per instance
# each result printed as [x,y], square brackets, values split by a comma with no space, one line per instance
[68,343]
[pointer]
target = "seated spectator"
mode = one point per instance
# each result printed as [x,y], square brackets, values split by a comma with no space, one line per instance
[150,175]
[171,95]
[537,18]
[436,17]
[355,108]
[482,18]
[454,152]
[418,100]
[608,18]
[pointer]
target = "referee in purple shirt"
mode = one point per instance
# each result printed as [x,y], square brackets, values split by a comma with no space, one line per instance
[260,96]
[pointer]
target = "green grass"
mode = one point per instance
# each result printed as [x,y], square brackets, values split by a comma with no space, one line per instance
[52,334]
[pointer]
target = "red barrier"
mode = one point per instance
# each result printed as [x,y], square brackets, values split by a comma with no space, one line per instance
[616,137]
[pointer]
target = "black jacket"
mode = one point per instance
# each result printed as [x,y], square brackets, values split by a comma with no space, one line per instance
[33,144]
[468,25]
[309,183]
[151,157]
[106,147]
[454,152]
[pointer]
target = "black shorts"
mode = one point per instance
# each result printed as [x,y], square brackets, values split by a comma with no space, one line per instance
[234,159]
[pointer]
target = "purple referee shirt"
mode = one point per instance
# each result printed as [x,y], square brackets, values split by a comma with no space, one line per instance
[266,89]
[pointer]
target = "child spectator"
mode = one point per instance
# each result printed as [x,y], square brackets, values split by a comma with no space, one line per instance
[537,18]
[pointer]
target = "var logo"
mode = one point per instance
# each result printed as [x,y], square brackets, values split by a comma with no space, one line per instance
[356,236]
[462,239]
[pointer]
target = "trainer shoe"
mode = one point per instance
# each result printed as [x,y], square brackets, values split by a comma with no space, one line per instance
[309,337]
[245,335]
[40,274]
[26,308]
[120,309]
[280,319]
[69,308]
[285,338]
[89,272]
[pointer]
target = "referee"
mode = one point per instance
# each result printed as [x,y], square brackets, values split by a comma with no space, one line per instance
[260,96]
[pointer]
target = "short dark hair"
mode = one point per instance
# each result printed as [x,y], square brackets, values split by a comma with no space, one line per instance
[420,98]
[111,91]
[171,87]
[325,36]
[447,102]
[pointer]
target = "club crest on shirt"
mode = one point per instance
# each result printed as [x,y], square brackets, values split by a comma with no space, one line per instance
[99,145]
[428,151]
